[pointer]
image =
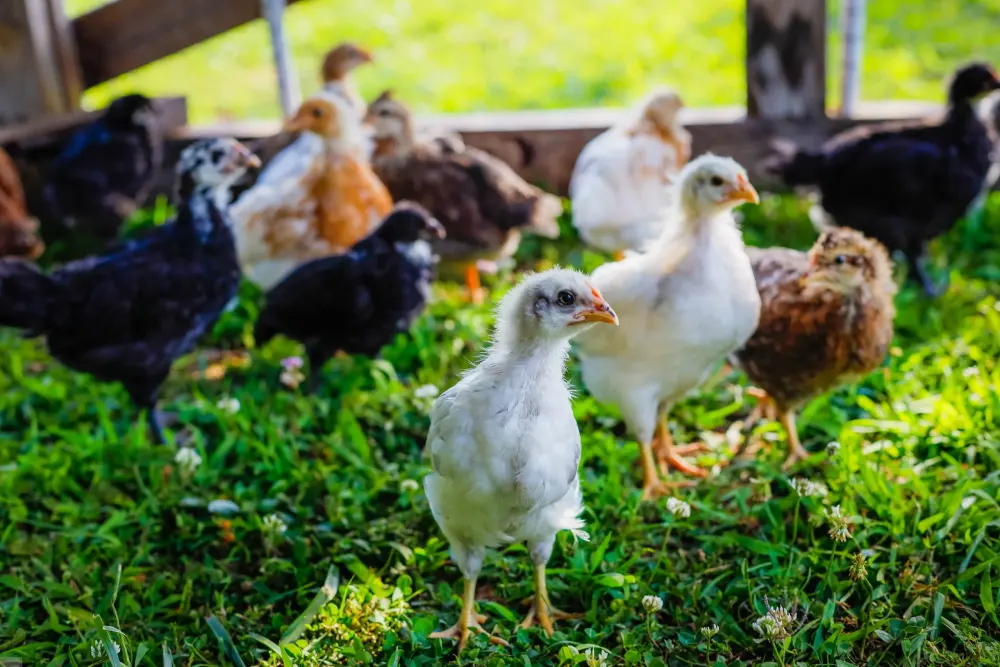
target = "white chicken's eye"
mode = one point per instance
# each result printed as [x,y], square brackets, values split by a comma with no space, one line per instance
[565,298]
[716,181]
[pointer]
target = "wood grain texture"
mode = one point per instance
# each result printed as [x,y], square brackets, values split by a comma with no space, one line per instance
[127,34]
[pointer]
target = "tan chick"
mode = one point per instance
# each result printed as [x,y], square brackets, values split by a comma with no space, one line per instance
[18,230]
[826,320]
[337,67]
[482,203]
[332,202]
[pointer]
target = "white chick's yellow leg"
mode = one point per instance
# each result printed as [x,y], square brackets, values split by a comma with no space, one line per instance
[542,610]
[467,621]
[652,486]
[477,294]
[796,452]
[670,456]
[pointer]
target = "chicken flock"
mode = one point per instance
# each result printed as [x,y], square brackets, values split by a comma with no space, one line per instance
[347,225]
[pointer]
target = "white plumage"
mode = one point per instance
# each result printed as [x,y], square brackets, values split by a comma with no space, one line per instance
[503,442]
[684,306]
[620,184]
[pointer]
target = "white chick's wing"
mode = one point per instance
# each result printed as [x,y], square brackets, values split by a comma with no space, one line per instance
[294,161]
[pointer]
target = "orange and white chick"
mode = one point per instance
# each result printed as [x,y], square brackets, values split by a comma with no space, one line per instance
[324,208]
[504,444]
[685,305]
[620,181]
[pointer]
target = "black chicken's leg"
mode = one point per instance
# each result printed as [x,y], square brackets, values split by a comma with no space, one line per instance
[145,394]
[318,356]
[918,270]
[153,419]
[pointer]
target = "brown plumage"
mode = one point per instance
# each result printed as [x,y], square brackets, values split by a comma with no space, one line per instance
[18,230]
[826,320]
[481,202]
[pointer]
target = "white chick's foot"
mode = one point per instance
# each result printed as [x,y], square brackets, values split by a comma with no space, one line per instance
[670,458]
[462,631]
[547,618]
[657,488]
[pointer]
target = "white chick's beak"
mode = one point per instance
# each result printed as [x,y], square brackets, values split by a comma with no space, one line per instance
[743,191]
[599,312]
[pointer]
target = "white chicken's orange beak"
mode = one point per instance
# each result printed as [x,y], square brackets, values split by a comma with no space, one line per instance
[599,312]
[743,192]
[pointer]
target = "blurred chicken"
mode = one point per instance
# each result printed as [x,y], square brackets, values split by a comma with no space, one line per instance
[332,202]
[619,185]
[356,302]
[503,442]
[483,205]
[18,231]
[126,316]
[684,306]
[337,67]
[105,170]
[826,320]
[903,186]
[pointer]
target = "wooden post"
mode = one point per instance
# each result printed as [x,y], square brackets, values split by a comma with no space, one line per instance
[38,67]
[786,59]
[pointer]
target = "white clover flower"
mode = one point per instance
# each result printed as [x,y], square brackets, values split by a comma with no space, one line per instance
[832,448]
[971,371]
[292,378]
[273,527]
[409,486]
[834,512]
[710,631]
[776,625]
[840,525]
[678,508]
[426,391]
[97,649]
[596,657]
[187,459]
[840,533]
[806,488]
[229,405]
[652,604]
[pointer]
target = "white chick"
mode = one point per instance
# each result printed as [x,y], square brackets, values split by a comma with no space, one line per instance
[619,187]
[685,305]
[503,442]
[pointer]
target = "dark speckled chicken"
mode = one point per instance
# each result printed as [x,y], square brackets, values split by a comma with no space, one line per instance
[105,169]
[358,301]
[127,315]
[904,186]
[825,320]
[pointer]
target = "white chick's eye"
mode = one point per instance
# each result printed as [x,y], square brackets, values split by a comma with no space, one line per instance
[716,181]
[565,298]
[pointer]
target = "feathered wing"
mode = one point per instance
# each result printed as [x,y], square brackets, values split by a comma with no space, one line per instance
[294,161]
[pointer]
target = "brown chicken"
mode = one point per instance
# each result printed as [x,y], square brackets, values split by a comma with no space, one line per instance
[337,67]
[481,202]
[18,231]
[826,320]
[322,203]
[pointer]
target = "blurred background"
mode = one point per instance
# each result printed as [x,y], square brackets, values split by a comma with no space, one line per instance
[442,57]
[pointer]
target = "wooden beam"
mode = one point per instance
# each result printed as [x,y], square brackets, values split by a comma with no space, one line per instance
[786,59]
[127,34]
[37,66]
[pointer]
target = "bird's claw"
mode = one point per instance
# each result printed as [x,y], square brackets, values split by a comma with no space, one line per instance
[462,632]
[545,620]
[672,459]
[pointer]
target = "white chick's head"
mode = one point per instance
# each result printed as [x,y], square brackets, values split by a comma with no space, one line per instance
[553,306]
[343,58]
[712,184]
[214,163]
[661,108]
[389,118]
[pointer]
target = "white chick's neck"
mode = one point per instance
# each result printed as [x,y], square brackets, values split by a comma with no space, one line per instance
[516,338]
[689,224]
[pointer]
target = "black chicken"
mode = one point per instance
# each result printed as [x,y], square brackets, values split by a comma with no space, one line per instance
[356,302]
[904,186]
[104,171]
[127,315]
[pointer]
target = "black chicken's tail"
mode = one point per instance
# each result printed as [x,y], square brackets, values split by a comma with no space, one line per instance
[795,166]
[24,295]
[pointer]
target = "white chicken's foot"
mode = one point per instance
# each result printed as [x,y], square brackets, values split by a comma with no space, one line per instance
[796,452]
[652,486]
[671,457]
[476,293]
[542,610]
[468,621]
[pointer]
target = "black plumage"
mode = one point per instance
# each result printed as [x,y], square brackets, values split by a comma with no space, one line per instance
[127,315]
[103,173]
[356,302]
[904,185]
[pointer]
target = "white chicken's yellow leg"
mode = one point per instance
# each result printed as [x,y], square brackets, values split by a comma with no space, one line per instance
[652,486]
[542,610]
[796,452]
[468,621]
[671,457]
[472,283]
[618,255]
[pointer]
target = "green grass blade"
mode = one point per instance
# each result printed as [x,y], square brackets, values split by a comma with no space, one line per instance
[273,647]
[323,597]
[228,647]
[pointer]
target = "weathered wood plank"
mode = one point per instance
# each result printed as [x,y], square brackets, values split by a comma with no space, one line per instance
[786,59]
[36,67]
[127,34]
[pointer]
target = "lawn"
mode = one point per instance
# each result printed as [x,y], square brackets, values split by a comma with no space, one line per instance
[441,56]
[302,536]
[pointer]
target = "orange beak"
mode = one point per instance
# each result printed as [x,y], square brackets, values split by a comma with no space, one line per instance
[599,312]
[743,192]
[294,124]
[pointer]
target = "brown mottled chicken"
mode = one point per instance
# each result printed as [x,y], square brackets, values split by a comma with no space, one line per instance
[331,199]
[481,202]
[18,230]
[826,320]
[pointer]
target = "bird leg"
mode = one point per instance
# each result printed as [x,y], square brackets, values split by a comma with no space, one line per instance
[652,486]
[468,621]
[476,293]
[796,451]
[542,610]
[765,408]
[918,268]
[153,418]
[670,456]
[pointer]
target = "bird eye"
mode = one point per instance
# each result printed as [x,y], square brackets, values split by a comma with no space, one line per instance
[716,181]
[840,259]
[565,298]
[317,112]
[216,155]
[384,113]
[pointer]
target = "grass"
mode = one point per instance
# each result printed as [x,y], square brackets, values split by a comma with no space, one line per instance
[327,553]
[552,54]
